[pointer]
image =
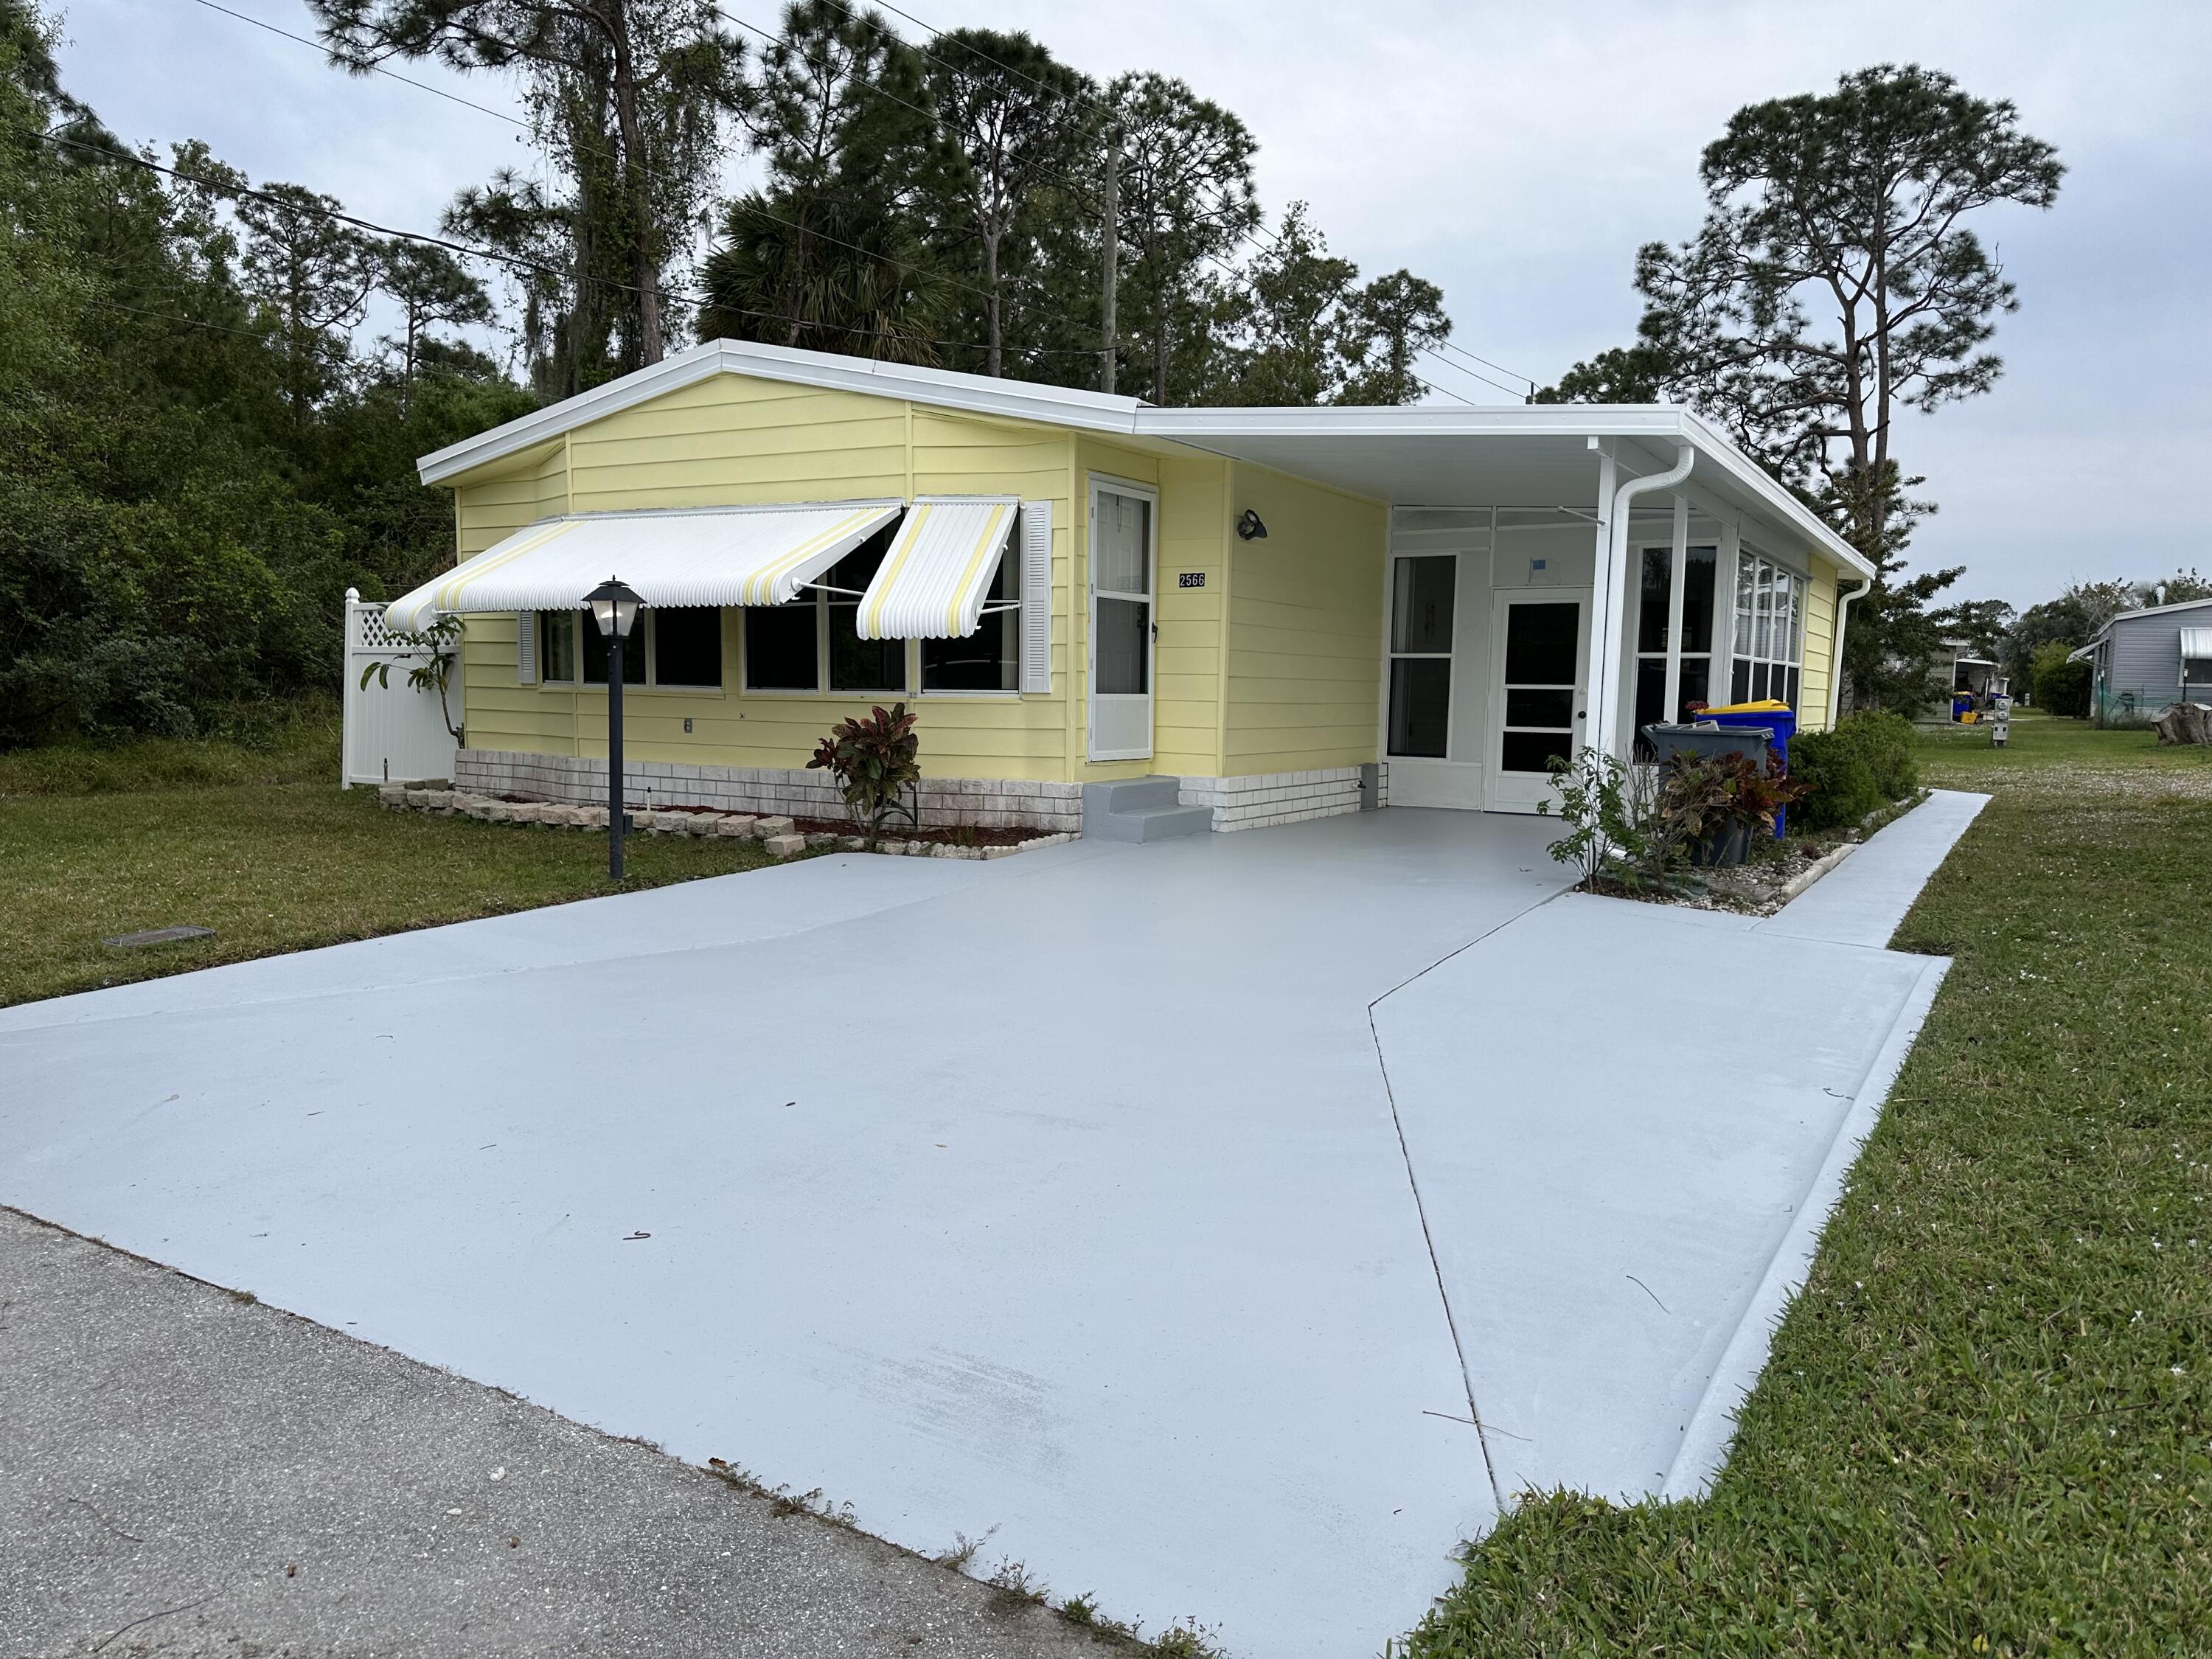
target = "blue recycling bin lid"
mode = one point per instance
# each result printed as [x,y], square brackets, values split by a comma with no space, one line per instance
[1779,717]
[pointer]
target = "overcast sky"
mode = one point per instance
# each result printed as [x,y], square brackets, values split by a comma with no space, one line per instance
[1517,154]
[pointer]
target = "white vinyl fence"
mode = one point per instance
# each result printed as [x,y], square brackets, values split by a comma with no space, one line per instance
[393,732]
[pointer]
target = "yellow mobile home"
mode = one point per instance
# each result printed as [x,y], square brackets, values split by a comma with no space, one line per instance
[1266,614]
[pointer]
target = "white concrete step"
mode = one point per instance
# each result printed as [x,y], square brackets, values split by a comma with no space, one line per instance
[1141,809]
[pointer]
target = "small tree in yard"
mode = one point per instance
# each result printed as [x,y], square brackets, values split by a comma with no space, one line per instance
[1612,817]
[2062,685]
[441,643]
[876,762]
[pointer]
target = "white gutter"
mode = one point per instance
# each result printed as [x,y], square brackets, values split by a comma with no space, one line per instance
[1610,597]
[1836,661]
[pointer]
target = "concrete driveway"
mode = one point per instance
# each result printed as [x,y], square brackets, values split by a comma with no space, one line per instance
[1166,1218]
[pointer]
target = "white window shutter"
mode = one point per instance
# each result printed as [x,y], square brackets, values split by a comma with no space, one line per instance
[526,647]
[1037,596]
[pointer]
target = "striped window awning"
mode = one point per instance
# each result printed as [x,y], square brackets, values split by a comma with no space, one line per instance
[2196,644]
[721,555]
[933,580]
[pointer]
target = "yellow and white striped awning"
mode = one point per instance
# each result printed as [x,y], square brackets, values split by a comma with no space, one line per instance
[703,555]
[931,582]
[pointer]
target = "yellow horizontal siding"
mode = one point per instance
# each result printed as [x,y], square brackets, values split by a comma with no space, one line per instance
[1186,667]
[1304,628]
[1816,673]
[731,441]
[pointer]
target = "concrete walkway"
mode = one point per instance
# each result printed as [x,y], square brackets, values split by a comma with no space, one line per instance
[1065,1201]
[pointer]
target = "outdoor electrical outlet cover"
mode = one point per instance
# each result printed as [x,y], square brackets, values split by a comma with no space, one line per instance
[159,936]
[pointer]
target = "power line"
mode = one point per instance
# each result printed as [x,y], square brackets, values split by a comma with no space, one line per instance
[1486,363]
[1473,373]
[1259,228]
[609,156]
[377,68]
[519,260]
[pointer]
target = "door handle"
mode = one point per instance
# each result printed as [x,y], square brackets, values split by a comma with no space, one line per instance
[1582,714]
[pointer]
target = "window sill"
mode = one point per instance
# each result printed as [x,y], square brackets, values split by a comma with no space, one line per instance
[630,691]
[793,694]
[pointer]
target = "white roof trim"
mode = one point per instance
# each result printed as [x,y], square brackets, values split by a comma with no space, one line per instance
[705,556]
[937,567]
[1097,411]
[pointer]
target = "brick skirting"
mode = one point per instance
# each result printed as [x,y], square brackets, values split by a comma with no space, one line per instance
[1271,798]
[986,803]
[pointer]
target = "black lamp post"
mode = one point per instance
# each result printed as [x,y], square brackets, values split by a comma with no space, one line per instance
[614,608]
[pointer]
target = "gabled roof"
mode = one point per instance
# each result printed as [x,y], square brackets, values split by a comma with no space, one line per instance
[1404,455]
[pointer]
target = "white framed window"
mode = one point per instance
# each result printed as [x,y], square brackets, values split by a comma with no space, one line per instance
[676,649]
[1424,595]
[1674,633]
[988,660]
[1770,630]
[812,642]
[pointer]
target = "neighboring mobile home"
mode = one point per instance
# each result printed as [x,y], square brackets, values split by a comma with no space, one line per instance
[2143,661]
[1291,611]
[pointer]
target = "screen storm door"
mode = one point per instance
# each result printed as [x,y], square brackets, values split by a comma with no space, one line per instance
[1539,705]
[1123,627]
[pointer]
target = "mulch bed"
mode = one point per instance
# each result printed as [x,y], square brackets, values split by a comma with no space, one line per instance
[962,835]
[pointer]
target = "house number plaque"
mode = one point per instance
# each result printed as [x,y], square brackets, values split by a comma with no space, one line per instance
[1190,579]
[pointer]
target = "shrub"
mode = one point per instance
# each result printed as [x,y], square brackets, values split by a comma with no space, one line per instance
[1884,741]
[876,762]
[1612,817]
[1705,798]
[1840,786]
[2061,686]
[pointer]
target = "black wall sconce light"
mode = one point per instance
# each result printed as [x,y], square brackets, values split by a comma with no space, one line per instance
[1250,529]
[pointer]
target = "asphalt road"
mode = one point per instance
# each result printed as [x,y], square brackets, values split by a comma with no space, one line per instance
[184,1472]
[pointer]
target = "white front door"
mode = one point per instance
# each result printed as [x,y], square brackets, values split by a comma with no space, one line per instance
[1123,569]
[1539,703]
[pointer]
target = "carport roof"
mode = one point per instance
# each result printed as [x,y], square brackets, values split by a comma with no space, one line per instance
[1533,454]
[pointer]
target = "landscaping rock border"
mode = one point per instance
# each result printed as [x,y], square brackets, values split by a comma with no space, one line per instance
[778,836]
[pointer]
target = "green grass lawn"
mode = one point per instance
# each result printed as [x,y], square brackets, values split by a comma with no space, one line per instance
[1986,1426]
[258,843]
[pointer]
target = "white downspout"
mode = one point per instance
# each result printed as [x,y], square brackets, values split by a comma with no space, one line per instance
[1836,661]
[1607,627]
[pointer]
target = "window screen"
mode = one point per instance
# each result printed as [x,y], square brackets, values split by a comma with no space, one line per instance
[687,645]
[856,664]
[989,659]
[556,647]
[780,646]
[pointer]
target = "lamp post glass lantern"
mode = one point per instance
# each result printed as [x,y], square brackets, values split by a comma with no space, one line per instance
[614,607]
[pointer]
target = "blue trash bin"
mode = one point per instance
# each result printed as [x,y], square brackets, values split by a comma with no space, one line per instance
[1778,716]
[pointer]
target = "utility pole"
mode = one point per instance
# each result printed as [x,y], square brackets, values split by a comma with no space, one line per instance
[1109,240]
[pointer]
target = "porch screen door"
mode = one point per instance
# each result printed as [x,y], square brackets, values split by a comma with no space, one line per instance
[1541,710]
[1121,578]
